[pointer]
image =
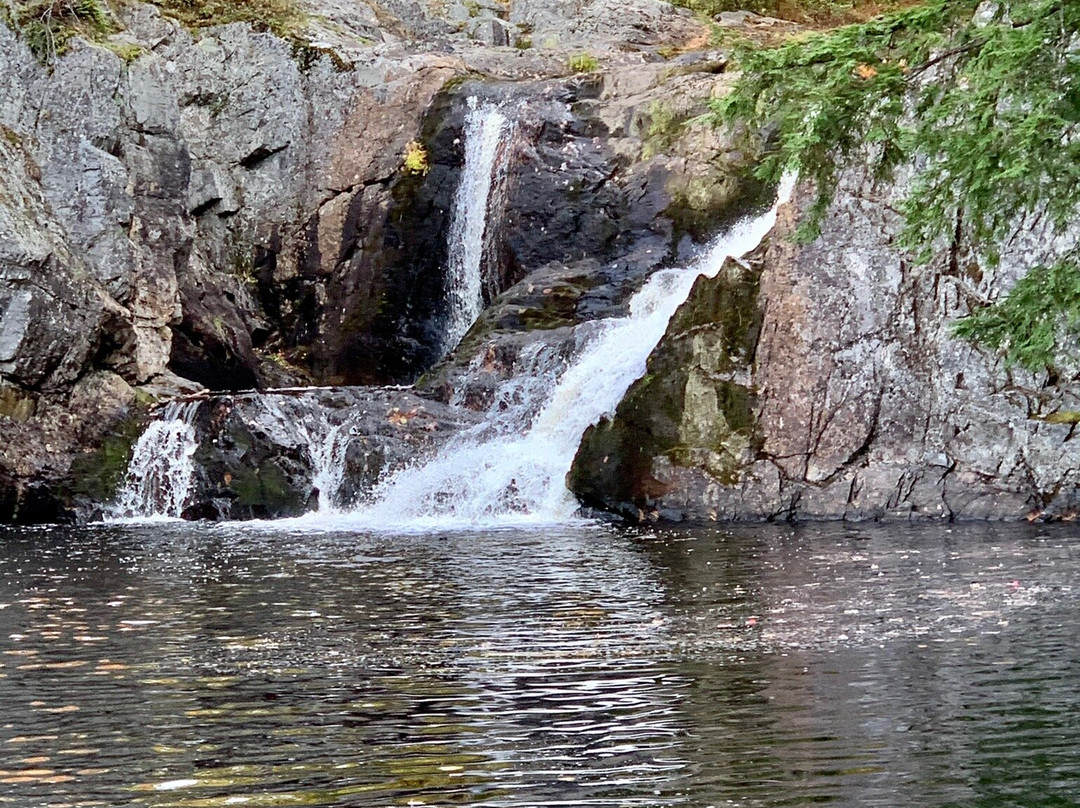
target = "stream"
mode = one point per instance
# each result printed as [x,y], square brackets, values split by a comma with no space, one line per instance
[194,664]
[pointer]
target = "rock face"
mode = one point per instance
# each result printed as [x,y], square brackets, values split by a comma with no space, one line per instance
[265,456]
[226,209]
[162,220]
[841,393]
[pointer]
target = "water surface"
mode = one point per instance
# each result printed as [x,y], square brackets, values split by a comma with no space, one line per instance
[200,665]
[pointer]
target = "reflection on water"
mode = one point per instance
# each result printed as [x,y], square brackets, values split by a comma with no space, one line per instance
[196,665]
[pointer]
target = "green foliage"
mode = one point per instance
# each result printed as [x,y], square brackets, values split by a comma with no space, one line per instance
[828,94]
[583,63]
[1030,324]
[803,8]
[416,160]
[999,132]
[986,108]
[283,18]
[48,25]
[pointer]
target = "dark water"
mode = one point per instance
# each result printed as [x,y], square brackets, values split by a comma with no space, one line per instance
[215,666]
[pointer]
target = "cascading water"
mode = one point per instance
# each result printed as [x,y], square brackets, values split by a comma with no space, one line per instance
[511,469]
[158,478]
[297,420]
[487,133]
[327,456]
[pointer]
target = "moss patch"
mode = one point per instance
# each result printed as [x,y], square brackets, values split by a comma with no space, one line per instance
[127,51]
[264,488]
[16,405]
[665,125]
[98,474]
[48,26]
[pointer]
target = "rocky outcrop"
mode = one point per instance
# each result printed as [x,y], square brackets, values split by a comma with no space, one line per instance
[613,176]
[694,407]
[841,393]
[598,24]
[265,455]
[157,219]
[227,209]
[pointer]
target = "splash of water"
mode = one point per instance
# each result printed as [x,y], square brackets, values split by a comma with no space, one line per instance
[159,475]
[300,421]
[511,470]
[327,456]
[487,132]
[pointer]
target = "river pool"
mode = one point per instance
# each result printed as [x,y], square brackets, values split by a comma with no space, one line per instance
[217,665]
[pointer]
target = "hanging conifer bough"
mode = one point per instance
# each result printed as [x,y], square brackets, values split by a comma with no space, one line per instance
[983,97]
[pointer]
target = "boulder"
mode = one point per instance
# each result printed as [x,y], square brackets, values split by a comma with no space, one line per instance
[265,456]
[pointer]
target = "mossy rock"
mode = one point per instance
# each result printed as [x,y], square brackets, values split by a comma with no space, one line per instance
[686,408]
[97,475]
[265,489]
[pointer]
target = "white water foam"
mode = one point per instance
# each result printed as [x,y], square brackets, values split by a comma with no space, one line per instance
[158,478]
[510,471]
[327,458]
[487,135]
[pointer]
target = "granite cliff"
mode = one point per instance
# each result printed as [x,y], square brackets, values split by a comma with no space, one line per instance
[225,208]
[823,380]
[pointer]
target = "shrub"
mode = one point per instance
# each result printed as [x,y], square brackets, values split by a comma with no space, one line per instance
[798,10]
[47,26]
[416,158]
[583,63]
[281,17]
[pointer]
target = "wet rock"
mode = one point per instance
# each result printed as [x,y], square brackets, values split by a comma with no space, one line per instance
[863,405]
[67,458]
[693,408]
[260,456]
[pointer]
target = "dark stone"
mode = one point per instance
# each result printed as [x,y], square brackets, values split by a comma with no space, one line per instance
[711,337]
[254,458]
[212,344]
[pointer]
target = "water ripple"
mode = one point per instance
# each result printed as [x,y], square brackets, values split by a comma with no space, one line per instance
[196,665]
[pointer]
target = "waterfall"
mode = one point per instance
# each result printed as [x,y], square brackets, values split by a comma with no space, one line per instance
[301,421]
[159,474]
[327,456]
[487,133]
[511,469]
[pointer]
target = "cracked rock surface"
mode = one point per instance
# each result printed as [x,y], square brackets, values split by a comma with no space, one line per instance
[226,209]
[850,398]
